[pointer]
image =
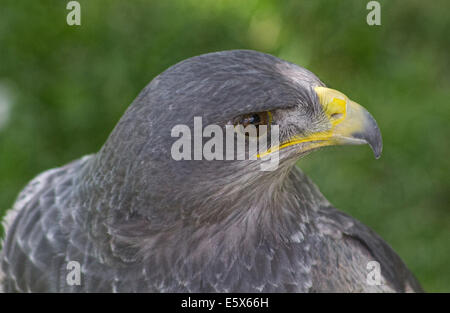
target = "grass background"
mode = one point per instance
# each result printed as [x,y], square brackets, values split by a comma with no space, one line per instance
[63,88]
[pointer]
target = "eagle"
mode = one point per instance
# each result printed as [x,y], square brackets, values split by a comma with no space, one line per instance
[136,219]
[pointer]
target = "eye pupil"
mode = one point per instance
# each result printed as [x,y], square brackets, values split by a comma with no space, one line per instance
[255,119]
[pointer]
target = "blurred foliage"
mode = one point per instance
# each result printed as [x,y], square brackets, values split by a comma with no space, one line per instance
[63,88]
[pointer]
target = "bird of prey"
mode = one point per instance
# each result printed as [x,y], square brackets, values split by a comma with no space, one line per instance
[136,220]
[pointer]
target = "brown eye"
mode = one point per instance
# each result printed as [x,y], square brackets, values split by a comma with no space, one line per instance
[256,119]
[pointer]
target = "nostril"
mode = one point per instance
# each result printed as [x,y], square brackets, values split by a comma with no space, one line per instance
[336,108]
[336,115]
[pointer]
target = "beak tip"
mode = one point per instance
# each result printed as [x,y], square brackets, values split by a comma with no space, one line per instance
[377,155]
[372,135]
[377,148]
[376,143]
[373,139]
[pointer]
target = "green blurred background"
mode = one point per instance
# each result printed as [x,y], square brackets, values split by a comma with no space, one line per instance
[63,88]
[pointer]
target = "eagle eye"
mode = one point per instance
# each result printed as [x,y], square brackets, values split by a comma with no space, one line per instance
[260,120]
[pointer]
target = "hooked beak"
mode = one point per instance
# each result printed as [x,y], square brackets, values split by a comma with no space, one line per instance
[349,123]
